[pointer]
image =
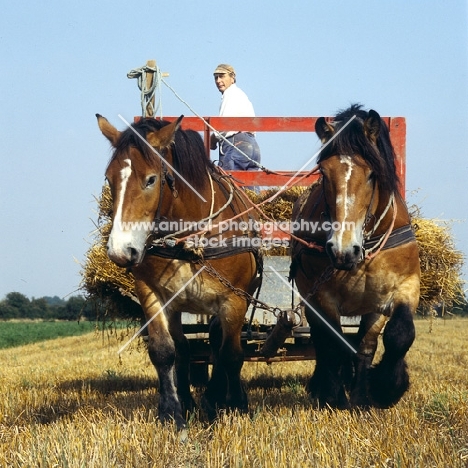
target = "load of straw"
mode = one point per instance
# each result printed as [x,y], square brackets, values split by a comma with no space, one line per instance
[280,209]
[441,263]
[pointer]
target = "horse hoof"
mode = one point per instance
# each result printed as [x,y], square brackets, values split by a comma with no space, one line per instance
[387,385]
[209,408]
[360,402]
[176,419]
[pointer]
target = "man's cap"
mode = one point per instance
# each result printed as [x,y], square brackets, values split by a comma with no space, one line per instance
[225,68]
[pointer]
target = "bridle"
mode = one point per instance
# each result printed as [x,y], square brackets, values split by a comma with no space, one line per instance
[371,246]
[166,177]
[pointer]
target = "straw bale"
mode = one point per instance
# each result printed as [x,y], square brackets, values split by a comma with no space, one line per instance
[280,209]
[441,263]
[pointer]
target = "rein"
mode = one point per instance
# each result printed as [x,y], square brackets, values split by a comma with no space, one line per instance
[256,207]
[370,254]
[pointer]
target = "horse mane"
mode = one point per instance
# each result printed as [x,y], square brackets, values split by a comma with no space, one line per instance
[352,140]
[188,152]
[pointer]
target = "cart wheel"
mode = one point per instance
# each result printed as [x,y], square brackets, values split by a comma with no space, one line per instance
[199,374]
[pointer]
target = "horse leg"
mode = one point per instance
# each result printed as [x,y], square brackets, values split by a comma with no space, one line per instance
[369,329]
[232,358]
[162,353]
[327,383]
[182,363]
[214,397]
[389,380]
[225,389]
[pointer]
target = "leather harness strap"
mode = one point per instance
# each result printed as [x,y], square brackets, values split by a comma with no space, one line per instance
[226,248]
[398,236]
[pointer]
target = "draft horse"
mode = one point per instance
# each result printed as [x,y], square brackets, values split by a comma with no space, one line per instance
[368,264]
[168,203]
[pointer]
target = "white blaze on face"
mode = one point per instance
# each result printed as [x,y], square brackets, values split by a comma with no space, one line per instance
[125,174]
[344,199]
[120,237]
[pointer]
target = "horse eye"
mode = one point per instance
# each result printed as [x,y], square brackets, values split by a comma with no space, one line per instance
[151,181]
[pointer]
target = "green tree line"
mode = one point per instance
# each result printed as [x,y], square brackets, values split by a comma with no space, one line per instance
[18,306]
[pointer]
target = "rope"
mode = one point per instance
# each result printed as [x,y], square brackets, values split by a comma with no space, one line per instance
[148,94]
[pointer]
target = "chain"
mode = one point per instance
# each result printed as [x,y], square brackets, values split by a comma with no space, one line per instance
[237,291]
[324,277]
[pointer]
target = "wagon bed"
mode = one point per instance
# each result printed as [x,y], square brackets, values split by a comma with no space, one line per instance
[296,348]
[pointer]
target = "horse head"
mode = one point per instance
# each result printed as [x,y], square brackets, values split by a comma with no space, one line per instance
[353,172]
[136,175]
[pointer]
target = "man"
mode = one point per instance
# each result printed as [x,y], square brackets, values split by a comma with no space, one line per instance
[234,103]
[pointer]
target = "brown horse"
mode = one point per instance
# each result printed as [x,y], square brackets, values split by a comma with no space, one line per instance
[368,267]
[171,208]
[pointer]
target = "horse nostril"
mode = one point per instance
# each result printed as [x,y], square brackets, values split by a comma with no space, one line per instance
[357,249]
[133,254]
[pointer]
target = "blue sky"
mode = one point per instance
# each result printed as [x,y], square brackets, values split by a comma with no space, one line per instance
[63,62]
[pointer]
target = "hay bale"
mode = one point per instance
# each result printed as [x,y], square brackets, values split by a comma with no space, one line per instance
[280,209]
[441,263]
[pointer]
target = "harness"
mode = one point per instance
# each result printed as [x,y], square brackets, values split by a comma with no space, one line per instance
[175,248]
[172,247]
[226,248]
[397,237]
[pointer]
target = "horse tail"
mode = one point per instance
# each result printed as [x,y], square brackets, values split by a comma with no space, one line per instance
[389,380]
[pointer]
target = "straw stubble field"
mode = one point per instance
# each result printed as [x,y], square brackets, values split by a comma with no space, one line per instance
[70,403]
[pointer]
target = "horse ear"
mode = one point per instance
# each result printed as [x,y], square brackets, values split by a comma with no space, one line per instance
[323,129]
[372,125]
[165,137]
[108,130]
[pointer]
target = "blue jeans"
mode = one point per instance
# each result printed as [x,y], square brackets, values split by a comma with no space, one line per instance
[232,160]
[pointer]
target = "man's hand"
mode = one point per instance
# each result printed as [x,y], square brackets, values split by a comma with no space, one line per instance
[213,141]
